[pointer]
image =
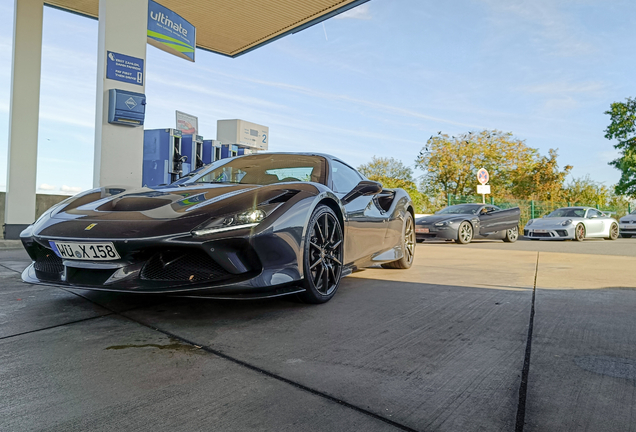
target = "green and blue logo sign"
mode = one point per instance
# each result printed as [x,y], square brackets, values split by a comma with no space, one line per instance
[169,32]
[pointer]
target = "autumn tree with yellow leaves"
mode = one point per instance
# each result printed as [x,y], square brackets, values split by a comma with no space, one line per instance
[517,171]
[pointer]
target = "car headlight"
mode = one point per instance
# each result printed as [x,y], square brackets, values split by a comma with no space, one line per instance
[445,223]
[567,222]
[247,219]
[530,222]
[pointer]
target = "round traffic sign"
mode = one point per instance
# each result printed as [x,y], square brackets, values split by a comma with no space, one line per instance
[482,176]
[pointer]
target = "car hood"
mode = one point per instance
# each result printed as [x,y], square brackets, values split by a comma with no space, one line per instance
[628,218]
[119,212]
[429,220]
[167,203]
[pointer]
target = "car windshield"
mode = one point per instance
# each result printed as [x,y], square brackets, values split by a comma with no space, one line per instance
[264,169]
[460,209]
[567,212]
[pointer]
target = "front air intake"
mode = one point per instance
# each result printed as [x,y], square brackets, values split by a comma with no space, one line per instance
[183,265]
[48,266]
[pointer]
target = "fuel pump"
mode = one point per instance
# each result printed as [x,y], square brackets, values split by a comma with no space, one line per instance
[229,150]
[192,148]
[163,160]
[211,151]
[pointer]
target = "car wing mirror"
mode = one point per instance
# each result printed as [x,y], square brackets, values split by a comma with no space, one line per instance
[593,216]
[364,188]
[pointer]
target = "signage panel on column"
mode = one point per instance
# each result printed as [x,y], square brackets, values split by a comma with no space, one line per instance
[170,32]
[124,68]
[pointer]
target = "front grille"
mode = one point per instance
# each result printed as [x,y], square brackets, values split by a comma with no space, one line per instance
[48,262]
[183,266]
[536,234]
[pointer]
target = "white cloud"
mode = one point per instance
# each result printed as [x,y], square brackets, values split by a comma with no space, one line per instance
[362,102]
[554,88]
[47,187]
[360,12]
[71,189]
[555,31]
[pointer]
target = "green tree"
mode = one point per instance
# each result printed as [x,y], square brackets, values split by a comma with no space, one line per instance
[386,167]
[392,173]
[585,191]
[623,129]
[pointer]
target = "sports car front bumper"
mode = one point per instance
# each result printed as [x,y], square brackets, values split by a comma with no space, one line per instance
[239,266]
[560,233]
[431,232]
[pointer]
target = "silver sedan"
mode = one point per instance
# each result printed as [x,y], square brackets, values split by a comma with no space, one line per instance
[572,223]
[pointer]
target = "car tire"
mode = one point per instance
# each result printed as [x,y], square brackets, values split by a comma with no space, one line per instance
[626,235]
[613,232]
[408,245]
[579,232]
[464,233]
[511,235]
[322,257]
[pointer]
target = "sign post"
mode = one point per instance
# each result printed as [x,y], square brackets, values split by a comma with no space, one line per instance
[483,188]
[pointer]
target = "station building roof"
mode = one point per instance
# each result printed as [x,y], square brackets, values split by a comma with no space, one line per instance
[234,27]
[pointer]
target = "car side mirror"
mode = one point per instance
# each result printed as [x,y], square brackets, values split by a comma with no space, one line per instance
[364,188]
[593,216]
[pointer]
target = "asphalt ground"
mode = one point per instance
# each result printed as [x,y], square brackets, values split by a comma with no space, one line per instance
[531,336]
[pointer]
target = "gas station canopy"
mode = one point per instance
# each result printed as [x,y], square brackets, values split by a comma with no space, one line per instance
[231,27]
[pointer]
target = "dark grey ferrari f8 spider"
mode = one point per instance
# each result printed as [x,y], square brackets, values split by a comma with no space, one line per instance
[253,226]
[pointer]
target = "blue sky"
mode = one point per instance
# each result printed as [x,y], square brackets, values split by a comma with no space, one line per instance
[378,81]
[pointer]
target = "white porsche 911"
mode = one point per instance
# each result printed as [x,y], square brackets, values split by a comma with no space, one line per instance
[572,223]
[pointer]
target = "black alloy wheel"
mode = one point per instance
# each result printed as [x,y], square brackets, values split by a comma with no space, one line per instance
[579,232]
[408,245]
[511,235]
[613,234]
[464,233]
[322,256]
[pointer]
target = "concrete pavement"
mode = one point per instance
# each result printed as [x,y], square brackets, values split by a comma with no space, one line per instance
[443,346]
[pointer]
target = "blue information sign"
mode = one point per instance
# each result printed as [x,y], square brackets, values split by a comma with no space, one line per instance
[124,68]
[170,32]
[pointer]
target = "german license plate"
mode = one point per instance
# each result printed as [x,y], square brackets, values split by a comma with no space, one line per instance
[421,230]
[85,251]
[541,231]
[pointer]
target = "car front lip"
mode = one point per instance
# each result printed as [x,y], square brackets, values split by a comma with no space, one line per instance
[244,290]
